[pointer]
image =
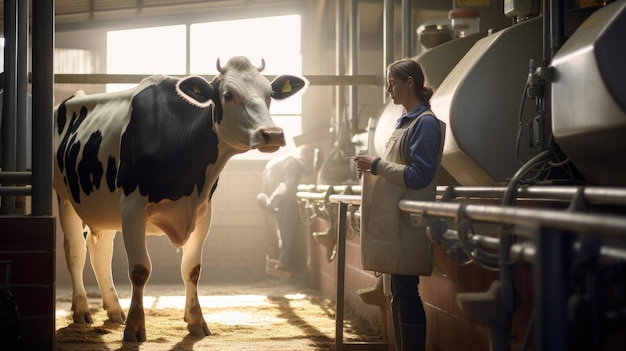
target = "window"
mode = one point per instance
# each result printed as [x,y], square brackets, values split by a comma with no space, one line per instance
[163,50]
[145,51]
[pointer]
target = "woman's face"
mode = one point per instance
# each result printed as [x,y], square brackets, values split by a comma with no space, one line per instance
[399,89]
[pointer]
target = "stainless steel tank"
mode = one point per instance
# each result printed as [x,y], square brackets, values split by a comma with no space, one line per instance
[480,103]
[589,97]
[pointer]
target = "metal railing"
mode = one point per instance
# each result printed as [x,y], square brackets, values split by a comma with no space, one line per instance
[549,237]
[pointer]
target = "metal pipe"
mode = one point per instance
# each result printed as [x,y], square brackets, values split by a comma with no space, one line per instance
[345,199]
[354,63]
[15,190]
[311,196]
[520,252]
[22,128]
[526,252]
[388,37]
[557,27]
[21,85]
[546,33]
[592,194]
[42,87]
[604,225]
[16,178]
[9,107]
[340,48]
[551,274]
[407,28]
[320,80]
[486,241]
[341,270]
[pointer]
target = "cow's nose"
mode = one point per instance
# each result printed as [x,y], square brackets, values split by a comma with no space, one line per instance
[271,138]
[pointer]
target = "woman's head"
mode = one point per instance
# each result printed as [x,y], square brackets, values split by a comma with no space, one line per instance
[406,81]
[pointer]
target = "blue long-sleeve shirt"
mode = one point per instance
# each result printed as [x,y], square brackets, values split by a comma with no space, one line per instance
[424,147]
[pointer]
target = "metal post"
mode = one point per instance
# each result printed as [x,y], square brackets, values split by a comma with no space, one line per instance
[340,50]
[43,85]
[341,271]
[388,37]
[9,107]
[22,95]
[354,63]
[547,57]
[22,84]
[407,28]
[556,26]
[551,289]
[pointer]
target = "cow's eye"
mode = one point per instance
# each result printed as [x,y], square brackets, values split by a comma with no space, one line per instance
[227,96]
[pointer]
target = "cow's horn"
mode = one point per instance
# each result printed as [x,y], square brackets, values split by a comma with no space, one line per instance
[262,65]
[219,66]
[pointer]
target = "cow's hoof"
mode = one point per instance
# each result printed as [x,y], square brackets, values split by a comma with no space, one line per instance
[132,335]
[83,318]
[198,330]
[117,317]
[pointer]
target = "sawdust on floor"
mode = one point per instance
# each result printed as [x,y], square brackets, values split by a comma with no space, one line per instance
[271,315]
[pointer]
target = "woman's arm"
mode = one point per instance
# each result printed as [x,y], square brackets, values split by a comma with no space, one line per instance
[424,152]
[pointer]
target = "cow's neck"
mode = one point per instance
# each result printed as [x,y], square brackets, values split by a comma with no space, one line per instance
[214,170]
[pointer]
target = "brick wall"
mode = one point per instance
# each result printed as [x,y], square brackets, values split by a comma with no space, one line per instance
[28,241]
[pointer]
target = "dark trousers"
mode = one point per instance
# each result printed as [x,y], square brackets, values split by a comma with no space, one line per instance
[405,299]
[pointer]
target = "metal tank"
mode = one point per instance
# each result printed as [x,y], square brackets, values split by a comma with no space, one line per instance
[486,137]
[589,97]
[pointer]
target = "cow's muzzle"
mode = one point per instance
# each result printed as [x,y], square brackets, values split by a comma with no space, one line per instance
[270,139]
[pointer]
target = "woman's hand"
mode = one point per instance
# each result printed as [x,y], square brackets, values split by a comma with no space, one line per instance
[363,161]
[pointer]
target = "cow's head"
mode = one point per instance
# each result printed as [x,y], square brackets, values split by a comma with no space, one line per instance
[242,99]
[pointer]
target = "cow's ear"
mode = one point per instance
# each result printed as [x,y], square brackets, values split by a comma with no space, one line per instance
[284,86]
[197,91]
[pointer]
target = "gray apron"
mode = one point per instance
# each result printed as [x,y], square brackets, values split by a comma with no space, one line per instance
[390,242]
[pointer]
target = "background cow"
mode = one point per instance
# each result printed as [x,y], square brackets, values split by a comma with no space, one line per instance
[146,161]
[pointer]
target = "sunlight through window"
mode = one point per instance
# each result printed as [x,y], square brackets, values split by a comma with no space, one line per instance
[156,50]
[162,50]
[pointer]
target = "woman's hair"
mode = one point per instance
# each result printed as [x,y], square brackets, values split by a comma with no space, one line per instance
[405,68]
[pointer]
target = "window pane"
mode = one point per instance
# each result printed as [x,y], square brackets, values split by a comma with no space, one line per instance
[147,51]
[162,50]
[255,38]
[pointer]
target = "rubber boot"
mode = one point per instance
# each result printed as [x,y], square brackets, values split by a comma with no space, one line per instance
[413,337]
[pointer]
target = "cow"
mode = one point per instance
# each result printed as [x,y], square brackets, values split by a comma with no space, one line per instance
[147,161]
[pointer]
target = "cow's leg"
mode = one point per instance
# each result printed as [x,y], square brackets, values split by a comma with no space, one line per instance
[190,270]
[75,253]
[101,253]
[139,265]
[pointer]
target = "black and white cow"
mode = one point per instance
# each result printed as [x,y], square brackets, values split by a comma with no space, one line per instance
[146,161]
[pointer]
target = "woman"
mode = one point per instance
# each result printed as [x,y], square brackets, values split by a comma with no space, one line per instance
[391,241]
